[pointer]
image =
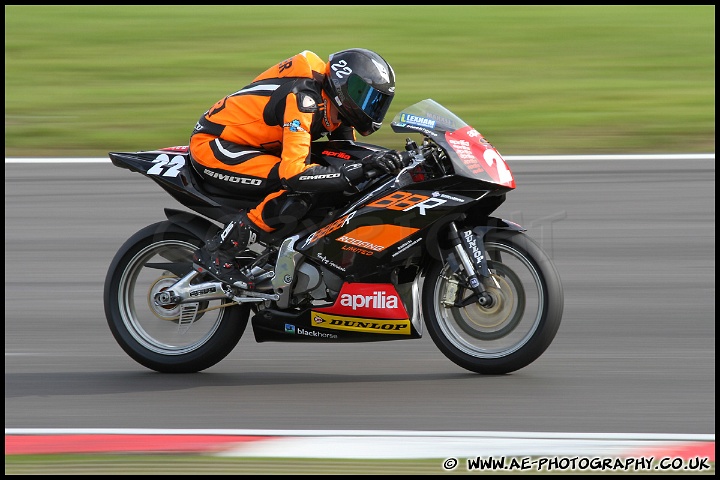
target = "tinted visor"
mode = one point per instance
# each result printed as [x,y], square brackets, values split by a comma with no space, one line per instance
[370,100]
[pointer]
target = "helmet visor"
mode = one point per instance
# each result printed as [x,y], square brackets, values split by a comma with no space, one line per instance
[371,101]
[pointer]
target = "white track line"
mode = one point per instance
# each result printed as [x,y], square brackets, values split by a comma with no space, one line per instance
[386,444]
[510,158]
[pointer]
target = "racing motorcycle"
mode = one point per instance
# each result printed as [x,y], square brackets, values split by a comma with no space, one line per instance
[382,261]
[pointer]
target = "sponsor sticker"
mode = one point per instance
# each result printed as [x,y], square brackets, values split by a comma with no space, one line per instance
[417,120]
[364,325]
[294,126]
[368,300]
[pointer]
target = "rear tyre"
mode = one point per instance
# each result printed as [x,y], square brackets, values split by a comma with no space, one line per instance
[153,335]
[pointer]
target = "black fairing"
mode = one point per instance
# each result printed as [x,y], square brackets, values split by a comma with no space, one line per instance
[172,171]
[378,232]
[296,326]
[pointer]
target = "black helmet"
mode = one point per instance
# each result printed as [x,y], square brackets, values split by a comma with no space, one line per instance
[361,85]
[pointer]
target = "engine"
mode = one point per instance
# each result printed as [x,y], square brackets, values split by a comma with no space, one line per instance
[315,283]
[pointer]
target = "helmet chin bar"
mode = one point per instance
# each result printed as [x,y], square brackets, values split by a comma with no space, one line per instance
[335,116]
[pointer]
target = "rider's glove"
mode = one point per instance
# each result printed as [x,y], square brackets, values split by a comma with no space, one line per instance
[389,161]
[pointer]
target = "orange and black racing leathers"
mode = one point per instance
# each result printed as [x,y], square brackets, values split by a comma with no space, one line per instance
[256,142]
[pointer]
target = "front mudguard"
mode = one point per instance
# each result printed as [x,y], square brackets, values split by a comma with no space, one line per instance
[494,223]
[439,250]
[438,246]
[479,241]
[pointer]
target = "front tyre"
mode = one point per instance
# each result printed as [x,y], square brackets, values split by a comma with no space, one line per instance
[520,323]
[154,335]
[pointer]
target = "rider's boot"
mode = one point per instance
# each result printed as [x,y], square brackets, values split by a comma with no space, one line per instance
[218,256]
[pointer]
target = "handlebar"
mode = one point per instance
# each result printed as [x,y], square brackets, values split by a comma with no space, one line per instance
[407,158]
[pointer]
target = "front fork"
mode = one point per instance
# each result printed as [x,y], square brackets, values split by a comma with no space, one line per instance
[470,251]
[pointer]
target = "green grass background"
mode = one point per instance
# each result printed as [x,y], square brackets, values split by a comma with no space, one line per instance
[85,80]
[174,464]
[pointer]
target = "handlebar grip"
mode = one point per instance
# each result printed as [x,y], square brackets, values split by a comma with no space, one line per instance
[372,173]
[406,158]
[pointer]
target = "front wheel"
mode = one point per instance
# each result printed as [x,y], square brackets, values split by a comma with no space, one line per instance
[515,328]
[161,337]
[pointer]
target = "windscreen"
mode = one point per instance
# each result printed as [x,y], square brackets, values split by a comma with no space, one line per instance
[424,116]
[471,154]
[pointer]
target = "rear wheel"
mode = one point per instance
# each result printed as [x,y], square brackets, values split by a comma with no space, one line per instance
[172,339]
[516,327]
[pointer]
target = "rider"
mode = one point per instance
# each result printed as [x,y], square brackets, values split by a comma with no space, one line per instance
[256,143]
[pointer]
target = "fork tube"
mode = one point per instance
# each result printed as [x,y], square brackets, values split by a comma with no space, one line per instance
[467,263]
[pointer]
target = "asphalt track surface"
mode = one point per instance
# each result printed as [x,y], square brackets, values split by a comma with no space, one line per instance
[633,240]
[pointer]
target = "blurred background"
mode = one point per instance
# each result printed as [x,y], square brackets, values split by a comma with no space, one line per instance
[85,80]
[636,350]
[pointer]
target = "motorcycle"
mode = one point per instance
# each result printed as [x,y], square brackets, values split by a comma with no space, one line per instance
[394,255]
